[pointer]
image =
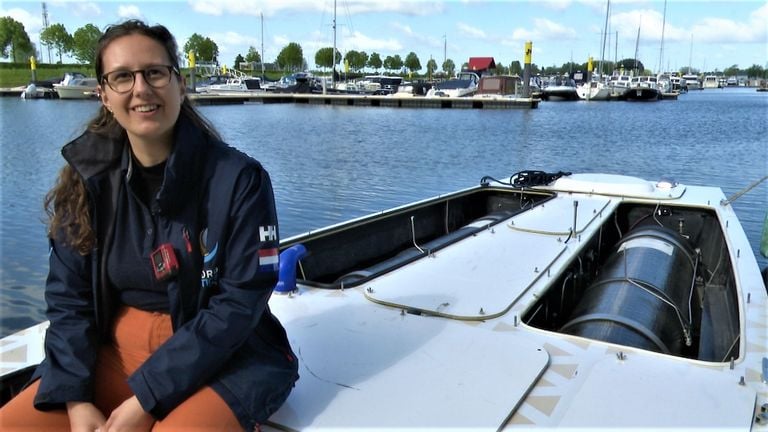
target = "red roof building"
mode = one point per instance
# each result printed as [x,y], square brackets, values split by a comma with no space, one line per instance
[481,64]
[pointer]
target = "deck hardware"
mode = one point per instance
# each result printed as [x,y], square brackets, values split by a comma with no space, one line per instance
[726,224]
[535,269]
[559,239]
[482,312]
[738,253]
[402,312]
[733,363]
[413,236]
[621,356]
[765,377]
[749,297]
[515,320]
[575,214]
[742,381]
[369,290]
[548,271]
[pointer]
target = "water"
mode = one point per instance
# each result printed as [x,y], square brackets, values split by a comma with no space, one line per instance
[329,164]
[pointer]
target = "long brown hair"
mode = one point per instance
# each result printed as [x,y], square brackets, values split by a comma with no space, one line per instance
[67,202]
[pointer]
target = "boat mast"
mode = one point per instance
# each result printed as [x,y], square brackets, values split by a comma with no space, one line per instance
[637,44]
[661,48]
[262,44]
[605,38]
[690,55]
[333,54]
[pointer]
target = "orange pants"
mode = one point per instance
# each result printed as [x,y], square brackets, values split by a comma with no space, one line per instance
[137,334]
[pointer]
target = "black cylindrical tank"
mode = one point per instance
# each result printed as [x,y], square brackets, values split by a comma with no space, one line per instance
[642,293]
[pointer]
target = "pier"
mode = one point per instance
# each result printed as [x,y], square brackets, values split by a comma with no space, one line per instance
[365,100]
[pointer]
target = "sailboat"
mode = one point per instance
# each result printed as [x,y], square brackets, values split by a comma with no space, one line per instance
[597,89]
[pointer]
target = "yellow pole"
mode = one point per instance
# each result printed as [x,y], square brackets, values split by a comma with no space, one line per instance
[191,57]
[33,67]
[527,69]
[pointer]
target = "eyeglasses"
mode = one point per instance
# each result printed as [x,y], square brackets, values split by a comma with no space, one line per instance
[122,80]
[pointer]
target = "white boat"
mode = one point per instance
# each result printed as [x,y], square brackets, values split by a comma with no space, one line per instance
[76,86]
[594,90]
[559,88]
[234,84]
[692,82]
[552,301]
[710,82]
[465,84]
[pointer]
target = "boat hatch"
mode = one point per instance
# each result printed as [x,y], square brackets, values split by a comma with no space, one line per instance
[371,368]
[655,277]
[482,276]
[350,254]
[677,396]
[617,185]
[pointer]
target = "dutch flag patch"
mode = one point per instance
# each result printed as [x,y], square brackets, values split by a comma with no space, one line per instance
[268,259]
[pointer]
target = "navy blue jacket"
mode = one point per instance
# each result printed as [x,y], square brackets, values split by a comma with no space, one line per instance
[216,207]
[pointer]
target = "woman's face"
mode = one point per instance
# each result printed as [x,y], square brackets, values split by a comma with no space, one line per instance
[147,113]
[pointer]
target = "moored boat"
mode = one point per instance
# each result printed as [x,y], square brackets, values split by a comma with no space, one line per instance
[435,315]
[464,84]
[76,86]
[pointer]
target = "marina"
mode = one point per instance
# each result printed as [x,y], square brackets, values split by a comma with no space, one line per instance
[341,170]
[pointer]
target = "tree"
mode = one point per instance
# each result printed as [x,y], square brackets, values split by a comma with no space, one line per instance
[628,64]
[431,67]
[449,67]
[291,56]
[204,48]
[515,68]
[14,40]
[238,60]
[253,56]
[324,57]
[389,63]
[731,71]
[756,71]
[412,62]
[56,36]
[356,59]
[374,61]
[85,42]
[397,62]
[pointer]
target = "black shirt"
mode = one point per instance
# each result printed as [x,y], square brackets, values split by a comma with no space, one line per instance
[129,266]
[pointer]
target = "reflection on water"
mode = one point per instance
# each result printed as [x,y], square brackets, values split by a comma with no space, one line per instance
[331,163]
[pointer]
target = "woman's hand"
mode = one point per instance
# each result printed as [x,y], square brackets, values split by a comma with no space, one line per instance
[84,417]
[129,416]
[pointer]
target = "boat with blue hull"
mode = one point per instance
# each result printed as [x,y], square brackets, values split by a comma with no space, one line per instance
[520,303]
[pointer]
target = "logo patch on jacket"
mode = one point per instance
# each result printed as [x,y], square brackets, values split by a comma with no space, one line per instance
[267,233]
[268,259]
[210,273]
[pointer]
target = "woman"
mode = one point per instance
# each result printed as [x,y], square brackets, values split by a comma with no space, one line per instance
[163,257]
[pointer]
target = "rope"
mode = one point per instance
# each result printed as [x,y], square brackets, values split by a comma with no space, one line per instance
[738,195]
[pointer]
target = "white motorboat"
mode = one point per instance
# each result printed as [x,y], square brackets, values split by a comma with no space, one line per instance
[552,301]
[559,88]
[710,82]
[692,82]
[76,86]
[594,90]
[234,84]
[465,84]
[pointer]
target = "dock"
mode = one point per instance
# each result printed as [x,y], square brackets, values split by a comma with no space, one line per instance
[365,100]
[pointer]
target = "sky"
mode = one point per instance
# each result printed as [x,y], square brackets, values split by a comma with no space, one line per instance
[705,35]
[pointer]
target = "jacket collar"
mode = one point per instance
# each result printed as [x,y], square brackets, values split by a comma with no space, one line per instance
[92,154]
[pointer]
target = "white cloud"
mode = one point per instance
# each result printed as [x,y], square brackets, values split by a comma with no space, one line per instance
[543,29]
[86,10]
[129,11]
[467,30]
[32,23]
[268,8]
[361,42]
